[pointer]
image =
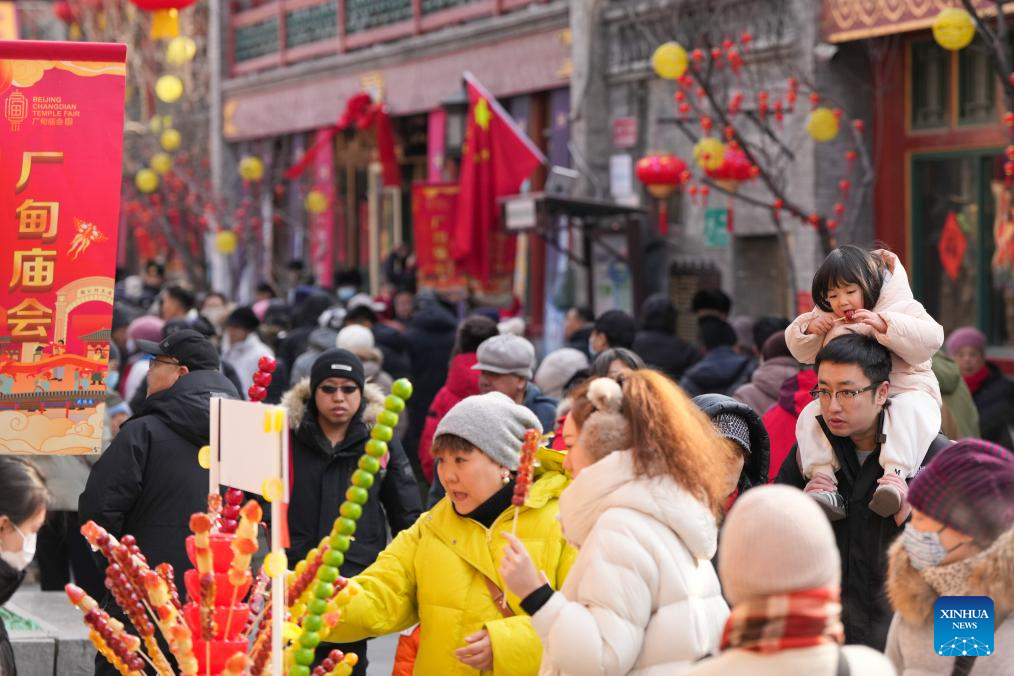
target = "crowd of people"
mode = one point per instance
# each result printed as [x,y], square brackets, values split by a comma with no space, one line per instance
[650,541]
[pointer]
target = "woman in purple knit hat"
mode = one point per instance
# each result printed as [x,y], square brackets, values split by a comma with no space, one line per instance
[992,391]
[960,542]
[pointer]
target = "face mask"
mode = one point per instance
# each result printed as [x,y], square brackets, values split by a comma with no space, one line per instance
[924,547]
[591,349]
[20,560]
[112,380]
[345,293]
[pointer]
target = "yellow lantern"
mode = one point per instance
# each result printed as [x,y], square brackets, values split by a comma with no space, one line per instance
[225,242]
[171,140]
[709,153]
[669,61]
[822,125]
[146,181]
[180,50]
[155,124]
[953,28]
[169,88]
[161,163]
[251,169]
[315,202]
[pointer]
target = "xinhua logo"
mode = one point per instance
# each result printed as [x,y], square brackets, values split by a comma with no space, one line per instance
[963,625]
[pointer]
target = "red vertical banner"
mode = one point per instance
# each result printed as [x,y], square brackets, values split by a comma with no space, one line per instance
[434,210]
[61,144]
[322,224]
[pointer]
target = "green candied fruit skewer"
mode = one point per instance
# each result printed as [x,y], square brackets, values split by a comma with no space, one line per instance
[344,527]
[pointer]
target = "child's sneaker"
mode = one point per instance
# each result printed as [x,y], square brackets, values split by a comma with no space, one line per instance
[886,501]
[832,502]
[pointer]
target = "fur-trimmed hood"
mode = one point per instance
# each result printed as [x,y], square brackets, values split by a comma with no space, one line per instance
[992,575]
[296,399]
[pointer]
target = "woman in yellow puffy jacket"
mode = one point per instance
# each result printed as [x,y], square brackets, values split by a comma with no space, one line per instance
[442,573]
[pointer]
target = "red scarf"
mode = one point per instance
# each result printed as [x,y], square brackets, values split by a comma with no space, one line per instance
[770,624]
[976,380]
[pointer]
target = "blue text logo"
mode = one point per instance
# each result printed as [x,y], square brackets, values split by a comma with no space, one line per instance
[963,625]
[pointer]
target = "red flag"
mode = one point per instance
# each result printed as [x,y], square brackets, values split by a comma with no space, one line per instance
[496,158]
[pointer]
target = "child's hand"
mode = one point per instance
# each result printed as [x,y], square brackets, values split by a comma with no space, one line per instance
[820,325]
[518,570]
[871,319]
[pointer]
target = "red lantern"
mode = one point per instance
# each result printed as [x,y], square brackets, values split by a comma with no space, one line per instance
[661,174]
[165,20]
[735,169]
[64,12]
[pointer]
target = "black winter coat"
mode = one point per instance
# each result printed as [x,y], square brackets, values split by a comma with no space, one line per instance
[666,352]
[148,482]
[995,401]
[863,537]
[395,348]
[321,475]
[430,338]
[721,371]
[10,580]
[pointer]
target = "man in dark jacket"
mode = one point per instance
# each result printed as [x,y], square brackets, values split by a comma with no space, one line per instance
[721,370]
[852,386]
[331,418]
[148,481]
[657,343]
[430,336]
[578,324]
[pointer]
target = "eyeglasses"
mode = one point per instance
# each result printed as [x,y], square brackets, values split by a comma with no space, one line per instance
[843,396]
[347,390]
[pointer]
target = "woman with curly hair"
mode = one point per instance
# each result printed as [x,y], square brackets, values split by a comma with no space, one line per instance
[649,480]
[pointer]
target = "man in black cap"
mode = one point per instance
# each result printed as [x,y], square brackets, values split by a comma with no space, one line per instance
[330,415]
[148,481]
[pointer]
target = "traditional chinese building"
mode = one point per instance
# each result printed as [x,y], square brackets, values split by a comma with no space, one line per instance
[289,70]
[939,138]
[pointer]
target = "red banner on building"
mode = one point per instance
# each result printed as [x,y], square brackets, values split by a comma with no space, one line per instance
[322,225]
[61,139]
[434,209]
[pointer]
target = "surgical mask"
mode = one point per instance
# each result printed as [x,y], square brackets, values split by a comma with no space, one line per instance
[112,380]
[20,560]
[924,547]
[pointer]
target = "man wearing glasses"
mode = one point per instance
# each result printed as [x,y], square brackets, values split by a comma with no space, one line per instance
[852,385]
[330,415]
[148,482]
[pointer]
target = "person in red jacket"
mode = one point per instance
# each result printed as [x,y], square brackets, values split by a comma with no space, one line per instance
[461,382]
[780,419]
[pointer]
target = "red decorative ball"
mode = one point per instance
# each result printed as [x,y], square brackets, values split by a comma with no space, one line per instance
[267,364]
[257,393]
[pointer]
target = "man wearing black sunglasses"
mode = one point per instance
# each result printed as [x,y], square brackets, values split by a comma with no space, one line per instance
[330,416]
[852,386]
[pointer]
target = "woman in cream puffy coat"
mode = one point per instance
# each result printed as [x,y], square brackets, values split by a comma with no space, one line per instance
[642,597]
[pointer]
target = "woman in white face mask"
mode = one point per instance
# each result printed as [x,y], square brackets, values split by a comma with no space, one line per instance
[960,542]
[23,499]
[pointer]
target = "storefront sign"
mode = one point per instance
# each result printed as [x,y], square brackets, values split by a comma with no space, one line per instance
[845,20]
[716,227]
[61,135]
[625,132]
[321,230]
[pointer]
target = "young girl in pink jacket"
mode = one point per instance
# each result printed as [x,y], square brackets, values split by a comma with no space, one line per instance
[863,292]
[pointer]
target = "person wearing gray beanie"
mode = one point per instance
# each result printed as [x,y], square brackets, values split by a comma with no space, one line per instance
[780,570]
[443,566]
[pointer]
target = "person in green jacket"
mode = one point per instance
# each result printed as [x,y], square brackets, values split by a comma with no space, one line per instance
[443,572]
[960,417]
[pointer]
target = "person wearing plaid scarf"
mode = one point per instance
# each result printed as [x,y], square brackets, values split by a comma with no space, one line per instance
[781,571]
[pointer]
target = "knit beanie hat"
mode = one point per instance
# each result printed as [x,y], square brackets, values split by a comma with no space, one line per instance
[336,364]
[557,368]
[969,487]
[605,430]
[493,423]
[776,540]
[146,327]
[735,427]
[355,338]
[966,336]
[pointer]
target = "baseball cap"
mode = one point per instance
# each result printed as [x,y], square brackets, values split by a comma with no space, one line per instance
[506,353]
[188,347]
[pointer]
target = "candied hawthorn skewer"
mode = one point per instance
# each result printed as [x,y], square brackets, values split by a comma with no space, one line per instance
[107,634]
[526,468]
